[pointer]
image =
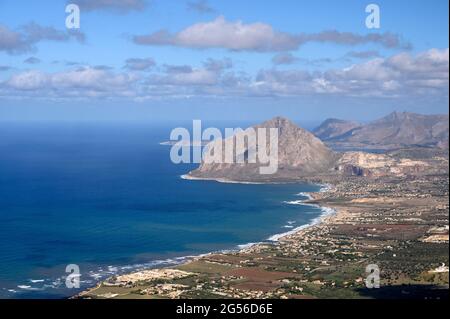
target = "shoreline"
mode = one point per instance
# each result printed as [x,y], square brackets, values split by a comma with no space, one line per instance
[327,213]
[327,257]
[222,180]
[243,182]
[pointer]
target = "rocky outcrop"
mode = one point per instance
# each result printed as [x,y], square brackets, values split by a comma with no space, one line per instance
[300,153]
[376,165]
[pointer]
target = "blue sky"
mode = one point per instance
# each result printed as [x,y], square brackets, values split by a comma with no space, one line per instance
[250,60]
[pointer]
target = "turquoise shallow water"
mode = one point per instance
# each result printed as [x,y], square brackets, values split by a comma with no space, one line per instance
[107,198]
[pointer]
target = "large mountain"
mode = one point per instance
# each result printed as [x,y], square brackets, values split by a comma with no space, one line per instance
[394,131]
[300,153]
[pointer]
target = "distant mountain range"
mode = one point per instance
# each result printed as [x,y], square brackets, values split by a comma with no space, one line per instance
[301,154]
[395,131]
[333,128]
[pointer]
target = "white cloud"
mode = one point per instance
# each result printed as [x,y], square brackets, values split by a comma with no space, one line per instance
[30,80]
[402,75]
[224,34]
[26,37]
[432,63]
[194,77]
[185,75]
[32,60]
[284,58]
[239,36]
[363,54]
[200,6]
[137,64]
[12,41]
[218,64]
[86,81]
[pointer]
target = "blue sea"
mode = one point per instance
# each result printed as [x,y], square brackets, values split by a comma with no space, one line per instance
[107,198]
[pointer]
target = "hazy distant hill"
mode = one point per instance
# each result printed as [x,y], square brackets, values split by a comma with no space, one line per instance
[394,131]
[333,128]
[300,153]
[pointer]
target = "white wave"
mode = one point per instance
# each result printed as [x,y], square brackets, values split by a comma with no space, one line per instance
[95,275]
[307,195]
[30,288]
[326,211]
[245,246]
[34,281]
[23,286]
[301,202]
[325,188]
[294,202]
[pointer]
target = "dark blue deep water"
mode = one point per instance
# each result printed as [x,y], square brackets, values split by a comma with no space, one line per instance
[107,198]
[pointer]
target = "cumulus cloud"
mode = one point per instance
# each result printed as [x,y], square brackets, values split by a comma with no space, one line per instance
[224,34]
[432,63]
[201,6]
[218,65]
[185,75]
[387,39]
[119,6]
[25,38]
[238,36]
[11,41]
[402,75]
[214,77]
[284,58]
[363,54]
[103,67]
[35,33]
[87,81]
[194,77]
[137,64]
[32,60]
[174,69]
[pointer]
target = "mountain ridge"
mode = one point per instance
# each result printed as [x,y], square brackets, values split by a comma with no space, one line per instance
[394,131]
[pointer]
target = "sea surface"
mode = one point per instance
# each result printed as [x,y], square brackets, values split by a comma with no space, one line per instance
[107,198]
